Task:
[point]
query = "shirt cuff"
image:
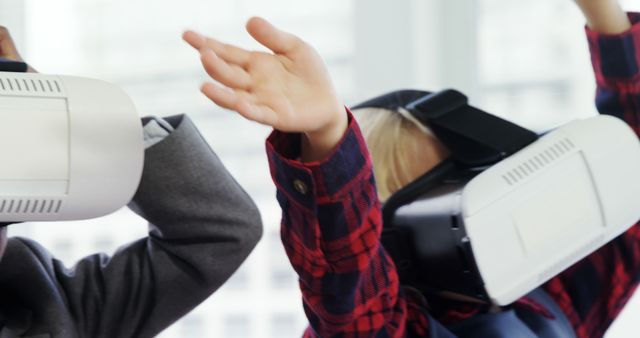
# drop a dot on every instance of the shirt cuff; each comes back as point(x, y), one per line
point(321, 181)
point(616, 57)
point(155, 130)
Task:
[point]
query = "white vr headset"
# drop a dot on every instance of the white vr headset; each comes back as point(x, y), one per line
point(509, 210)
point(72, 148)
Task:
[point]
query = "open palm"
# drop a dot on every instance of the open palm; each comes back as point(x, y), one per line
point(289, 90)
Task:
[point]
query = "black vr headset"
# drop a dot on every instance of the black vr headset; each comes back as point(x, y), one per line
point(438, 257)
point(508, 209)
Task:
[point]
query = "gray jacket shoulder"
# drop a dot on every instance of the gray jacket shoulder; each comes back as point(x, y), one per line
point(202, 225)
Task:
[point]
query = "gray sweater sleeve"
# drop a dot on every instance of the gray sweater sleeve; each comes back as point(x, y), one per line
point(202, 227)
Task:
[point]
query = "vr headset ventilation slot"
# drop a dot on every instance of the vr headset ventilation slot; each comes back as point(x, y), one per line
point(532, 165)
point(30, 206)
point(14, 85)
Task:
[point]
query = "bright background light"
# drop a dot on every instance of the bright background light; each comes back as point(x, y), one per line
point(523, 60)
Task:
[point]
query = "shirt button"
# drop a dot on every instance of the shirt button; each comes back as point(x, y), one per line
point(300, 187)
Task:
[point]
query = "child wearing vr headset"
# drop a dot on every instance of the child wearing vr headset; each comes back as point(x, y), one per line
point(332, 215)
point(202, 226)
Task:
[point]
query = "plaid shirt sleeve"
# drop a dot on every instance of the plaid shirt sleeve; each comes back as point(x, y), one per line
point(594, 290)
point(331, 225)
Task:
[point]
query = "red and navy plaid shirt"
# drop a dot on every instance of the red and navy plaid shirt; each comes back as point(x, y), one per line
point(331, 227)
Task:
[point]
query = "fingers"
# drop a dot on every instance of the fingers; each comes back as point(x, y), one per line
point(196, 40)
point(235, 101)
point(229, 75)
point(278, 41)
point(227, 52)
point(220, 96)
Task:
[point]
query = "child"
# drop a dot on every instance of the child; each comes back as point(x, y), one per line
point(331, 212)
point(202, 226)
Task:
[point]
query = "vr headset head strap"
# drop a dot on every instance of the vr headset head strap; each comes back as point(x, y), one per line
point(474, 137)
point(7, 65)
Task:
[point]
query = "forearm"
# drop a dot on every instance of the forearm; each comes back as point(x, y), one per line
point(616, 61)
point(317, 144)
point(188, 195)
point(616, 64)
point(346, 277)
point(331, 232)
point(202, 226)
point(604, 16)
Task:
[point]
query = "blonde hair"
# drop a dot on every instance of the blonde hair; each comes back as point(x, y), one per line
point(396, 142)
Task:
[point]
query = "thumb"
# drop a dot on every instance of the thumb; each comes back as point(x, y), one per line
point(268, 35)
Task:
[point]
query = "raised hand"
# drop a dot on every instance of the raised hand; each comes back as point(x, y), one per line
point(289, 89)
point(604, 16)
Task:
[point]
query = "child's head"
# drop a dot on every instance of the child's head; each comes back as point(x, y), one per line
point(402, 149)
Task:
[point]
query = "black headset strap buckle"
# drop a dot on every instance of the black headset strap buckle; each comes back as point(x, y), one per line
point(474, 138)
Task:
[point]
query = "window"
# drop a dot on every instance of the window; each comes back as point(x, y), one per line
point(284, 325)
point(536, 72)
point(239, 281)
point(282, 276)
point(237, 326)
point(192, 326)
